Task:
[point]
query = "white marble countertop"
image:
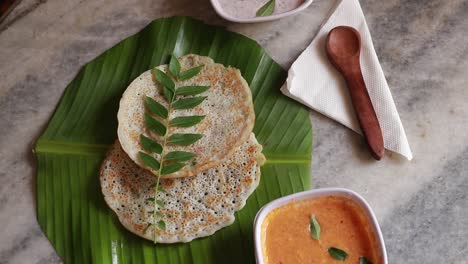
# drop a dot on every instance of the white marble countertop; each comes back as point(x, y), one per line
point(422, 205)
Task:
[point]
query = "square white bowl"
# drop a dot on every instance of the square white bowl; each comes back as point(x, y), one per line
point(219, 9)
point(265, 210)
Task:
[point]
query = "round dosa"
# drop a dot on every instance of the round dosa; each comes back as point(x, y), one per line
point(228, 109)
point(193, 206)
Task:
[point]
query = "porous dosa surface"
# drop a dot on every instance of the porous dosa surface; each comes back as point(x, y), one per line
point(193, 206)
point(228, 109)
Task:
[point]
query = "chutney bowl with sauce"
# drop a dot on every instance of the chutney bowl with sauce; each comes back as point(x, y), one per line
point(222, 11)
point(282, 231)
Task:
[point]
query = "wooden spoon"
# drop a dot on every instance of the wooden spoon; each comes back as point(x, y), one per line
point(343, 50)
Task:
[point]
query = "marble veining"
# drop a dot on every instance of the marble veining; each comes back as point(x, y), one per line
point(422, 205)
point(441, 228)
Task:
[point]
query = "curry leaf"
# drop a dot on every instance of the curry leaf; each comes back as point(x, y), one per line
point(155, 126)
point(168, 94)
point(158, 214)
point(179, 156)
point(171, 168)
point(150, 144)
point(185, 75)
point(187, 103)
point(191, 90)
point(267, 9)
point(314, 228)
point(150, 199)
point(162, 225)
point(164, 79)
point(184, 139)
point(160, 203)
point(146, 228)
point(155, 108)
point(337, 253)
point(161, 189)
point(364, 260)
point(186, 121)
point(174, 66)
point(149, 161)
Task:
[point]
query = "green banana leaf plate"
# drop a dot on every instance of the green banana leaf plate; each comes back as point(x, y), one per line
point(70, 207)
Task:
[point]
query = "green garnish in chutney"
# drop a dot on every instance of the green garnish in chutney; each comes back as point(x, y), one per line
point(337, 253)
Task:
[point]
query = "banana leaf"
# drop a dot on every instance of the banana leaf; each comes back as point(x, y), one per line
point(70, 207)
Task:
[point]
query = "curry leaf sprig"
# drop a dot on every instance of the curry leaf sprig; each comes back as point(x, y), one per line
point(158, 120)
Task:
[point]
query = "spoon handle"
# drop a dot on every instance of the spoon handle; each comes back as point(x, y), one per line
point(365, 113)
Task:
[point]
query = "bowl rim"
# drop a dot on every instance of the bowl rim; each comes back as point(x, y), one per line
point(347, 193)
point(218, 8)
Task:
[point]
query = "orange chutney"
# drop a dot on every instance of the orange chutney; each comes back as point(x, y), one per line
point(286, 233)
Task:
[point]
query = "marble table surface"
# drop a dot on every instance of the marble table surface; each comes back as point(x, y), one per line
point(422, 205)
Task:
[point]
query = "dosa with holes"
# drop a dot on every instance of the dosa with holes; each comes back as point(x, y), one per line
point(193, 207)
point(228, 110)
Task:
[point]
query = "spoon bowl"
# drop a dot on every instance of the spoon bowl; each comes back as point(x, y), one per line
point(344, 48)
point(344, 42)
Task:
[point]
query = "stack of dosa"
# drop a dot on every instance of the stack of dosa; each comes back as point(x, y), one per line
point(202, 197)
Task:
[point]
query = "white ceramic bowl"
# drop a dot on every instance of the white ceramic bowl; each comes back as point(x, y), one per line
point(219, 9)
point(265, 210)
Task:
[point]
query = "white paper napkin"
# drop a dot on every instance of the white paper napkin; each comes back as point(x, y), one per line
point(313, 81)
